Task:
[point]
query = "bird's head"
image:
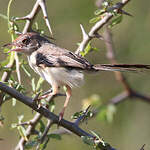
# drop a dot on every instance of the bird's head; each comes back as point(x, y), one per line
point(27, 43)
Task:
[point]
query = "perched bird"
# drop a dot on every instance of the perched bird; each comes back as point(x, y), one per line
point(58, 66)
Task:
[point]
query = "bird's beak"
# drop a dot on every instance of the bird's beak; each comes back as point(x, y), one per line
point(17, 49)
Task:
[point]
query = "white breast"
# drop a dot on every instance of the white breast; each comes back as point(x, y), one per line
point(57, 76)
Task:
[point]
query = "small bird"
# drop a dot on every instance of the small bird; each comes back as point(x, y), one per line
point(61, 67)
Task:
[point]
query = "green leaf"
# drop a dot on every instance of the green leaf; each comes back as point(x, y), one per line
point(95, 19)
point(14, 125)
point(43, 145)
point(116, 21)
point(111, 110)
point(6, 50)
point(102, 113)
point(6, 61)
point(39, 83)
point(54, 136)
point(20, 118)
point(22, 132)
point(76, 115)
point(25, 70)
point(33, 84)
point(88, 49)
point(99, 11)
point(13, 101)
point(42, 126)
point(88, 140)
point(31, 144)
point(93, 100)
point(52, 106)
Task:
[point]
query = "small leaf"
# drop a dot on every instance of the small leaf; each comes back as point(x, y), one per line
point(86, 50)
point(64, 88)
point(20, 118)
point(92, 100)
point(6, 61)
point(116, 21)
point(111, 110)
point(88, 140)
point(52, 106)
point(95, 19)
point(43, 145)
point(33, 84)
point(31, 144)
point(42, 126)
point(102, 113)
point(39, 83)
point(54, 136)
point(22, 132)
point(76, 115)
point(13, 101)
point(99, 11)
point(14, 125)
point(25, 70)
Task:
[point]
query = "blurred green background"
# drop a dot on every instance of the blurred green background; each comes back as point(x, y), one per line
point(131, 126)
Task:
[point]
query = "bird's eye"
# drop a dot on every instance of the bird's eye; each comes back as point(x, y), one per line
point(26, 41)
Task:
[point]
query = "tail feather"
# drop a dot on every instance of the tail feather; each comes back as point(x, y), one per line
point(121, 67)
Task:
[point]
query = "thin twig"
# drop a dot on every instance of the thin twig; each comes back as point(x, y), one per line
point(82, 116)
point(29, 130)
point(31, 16)
point(98, 26)
point(48, 126)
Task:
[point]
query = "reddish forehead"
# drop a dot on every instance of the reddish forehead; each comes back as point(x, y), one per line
point(23, 36)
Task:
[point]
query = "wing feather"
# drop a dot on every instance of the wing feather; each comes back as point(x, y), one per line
point(52, 56)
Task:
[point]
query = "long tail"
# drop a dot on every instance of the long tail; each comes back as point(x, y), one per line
point(121, 67)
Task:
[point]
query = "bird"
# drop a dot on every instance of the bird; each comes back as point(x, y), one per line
point(59, 66)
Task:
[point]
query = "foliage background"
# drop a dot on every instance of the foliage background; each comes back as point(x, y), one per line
point(130, 128)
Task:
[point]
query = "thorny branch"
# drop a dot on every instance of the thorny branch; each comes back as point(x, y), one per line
point(86, 38)
point(110, 54)
point(94, 30)
point(6, 75)
point(47, 114)
point(32, 15)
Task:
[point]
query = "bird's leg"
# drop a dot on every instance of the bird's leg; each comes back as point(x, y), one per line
point(68, 95)
point(52, 93)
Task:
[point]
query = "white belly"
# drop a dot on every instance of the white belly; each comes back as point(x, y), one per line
point(59, 76)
